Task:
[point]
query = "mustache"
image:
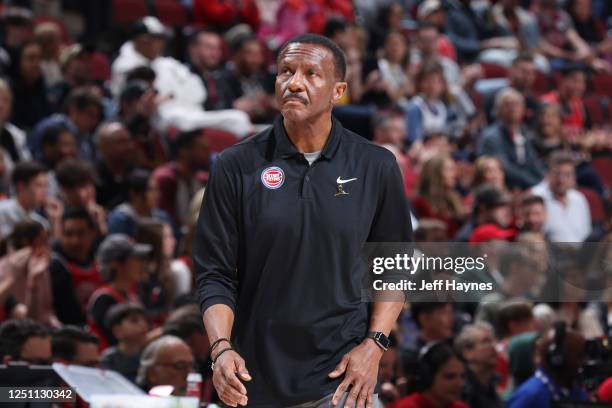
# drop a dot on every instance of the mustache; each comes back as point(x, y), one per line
point(295, 96)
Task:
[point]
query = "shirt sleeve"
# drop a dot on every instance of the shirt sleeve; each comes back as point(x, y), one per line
point(392, 221)
point(216, 241)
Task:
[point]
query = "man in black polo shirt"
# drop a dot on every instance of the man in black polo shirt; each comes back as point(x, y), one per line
point(278, 246)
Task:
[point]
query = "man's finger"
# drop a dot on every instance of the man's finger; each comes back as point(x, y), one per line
point(340, 368)
point(231, 394)
point(242, 371)
point(353, 395)
point(369, 402)
point(230, 378)
point(341, 390)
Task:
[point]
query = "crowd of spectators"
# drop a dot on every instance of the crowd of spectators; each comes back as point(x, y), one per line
point(498, 111)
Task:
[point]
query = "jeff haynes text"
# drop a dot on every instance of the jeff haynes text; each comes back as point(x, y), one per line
point(436, 285)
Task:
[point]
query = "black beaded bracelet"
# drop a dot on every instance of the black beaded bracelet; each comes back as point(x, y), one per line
point(212, 366)
point(216, 343)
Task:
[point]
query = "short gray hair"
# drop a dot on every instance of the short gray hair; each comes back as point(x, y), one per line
point(150, 355)
point(503, 95)
point(465, 338)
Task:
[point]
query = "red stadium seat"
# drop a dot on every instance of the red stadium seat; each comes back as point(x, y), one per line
point(596, 207)
point(219, 140)
point(602, 84)
point(171, 13)
point(593, 106)
point(542, 84)
point(128, 11)
point(100, 66)
point(603, 168)
point(494, 71)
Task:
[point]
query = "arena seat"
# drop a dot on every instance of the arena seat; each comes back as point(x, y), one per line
point(602, 84)
point(128, 11)
point(596, 206)
point(603, 168)
point(171, 13)
point(494, 71)
point(219, 140)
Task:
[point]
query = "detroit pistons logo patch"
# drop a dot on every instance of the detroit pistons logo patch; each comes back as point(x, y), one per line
point(273, 177)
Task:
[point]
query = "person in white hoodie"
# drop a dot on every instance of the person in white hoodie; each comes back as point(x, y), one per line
point(181, 93)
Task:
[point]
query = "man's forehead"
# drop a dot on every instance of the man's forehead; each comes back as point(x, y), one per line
point(305, 52)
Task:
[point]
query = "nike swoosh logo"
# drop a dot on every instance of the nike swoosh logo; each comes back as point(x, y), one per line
point(340, 181)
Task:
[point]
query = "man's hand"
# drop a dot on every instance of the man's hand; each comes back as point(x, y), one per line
point(229, 370)
point(360, 369)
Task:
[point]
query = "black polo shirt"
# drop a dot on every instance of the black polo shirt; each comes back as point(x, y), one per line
point(279, 242)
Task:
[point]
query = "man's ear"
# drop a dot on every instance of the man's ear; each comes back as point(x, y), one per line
point(339, 90)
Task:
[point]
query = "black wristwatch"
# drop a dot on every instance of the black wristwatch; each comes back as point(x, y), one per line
point(380, 339)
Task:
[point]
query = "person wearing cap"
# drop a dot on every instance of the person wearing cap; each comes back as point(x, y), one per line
point(75, 63)
point(121, 264)
point(491, 206)
point(48, 36)
point(182, 94)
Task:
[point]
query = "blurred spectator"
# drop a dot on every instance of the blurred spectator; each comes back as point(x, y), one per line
point(389, 126)
point(560, 41)
point(116, 149)
point(83, 113)
point(521, 357)
point(74, 275)
point(434, 12)
point(441, 379)
point(165, 361)
point(476, 345)
point(591, 29)
point(514, 317)
point(515, 23)
point(437, 197)
point(560, 354)
point(205, 56)
point(551, 134)
point(389, 19)
point(48, 37)
point(186, 324)
point(27, 265)
point(488, 170)
point(179, 180)
point(286, 19)
point(387, 79)
point(57, 143)
point(128, 324)
point(122, 266)
point(571, 89)
point(26, 341)
point(142, 204)
point(532, 214)
point(522, 77)
point(12, 139)
point(434, 109)
point(491, 206)
point(158, 286)
point(73, 345)
point(569, 217)
point(30, 100)
point(75, 63)
point(138, 103)
point(390, 376)
point(76, 181)
point(222, 14)
point(472, 32)
point(511, 142)
point(245, 84)
point(17, 30)
point(30, 182)
point(426, 49)
point(182, 93)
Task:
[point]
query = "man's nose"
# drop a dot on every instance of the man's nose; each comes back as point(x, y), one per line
point(296, 83)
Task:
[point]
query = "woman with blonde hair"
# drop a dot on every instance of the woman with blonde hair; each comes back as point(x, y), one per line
point(437, 197)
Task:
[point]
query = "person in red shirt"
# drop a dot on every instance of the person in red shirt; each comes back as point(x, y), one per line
point(223, 14)
point(572, 87)
point(441, 379)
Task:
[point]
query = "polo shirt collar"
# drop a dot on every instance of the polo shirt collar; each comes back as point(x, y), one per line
point(284, 147)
